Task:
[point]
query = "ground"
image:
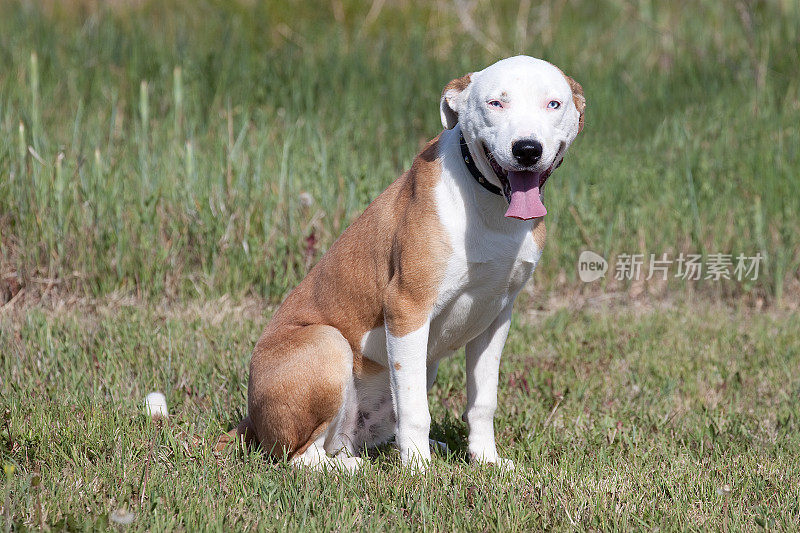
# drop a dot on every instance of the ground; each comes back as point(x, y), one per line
point(673, 416)
point(170, 170)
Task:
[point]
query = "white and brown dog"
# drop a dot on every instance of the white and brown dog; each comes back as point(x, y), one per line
point(433, 264)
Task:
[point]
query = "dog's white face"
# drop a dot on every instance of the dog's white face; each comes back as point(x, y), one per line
point(518, 116)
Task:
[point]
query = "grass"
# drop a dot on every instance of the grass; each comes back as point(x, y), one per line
point(673, 418)
point(163, 148)
point(169, 170)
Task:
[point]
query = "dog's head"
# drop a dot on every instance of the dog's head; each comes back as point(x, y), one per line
point(518, 116)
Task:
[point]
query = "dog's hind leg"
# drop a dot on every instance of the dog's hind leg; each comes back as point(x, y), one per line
point(301, 396)
point(332, 444)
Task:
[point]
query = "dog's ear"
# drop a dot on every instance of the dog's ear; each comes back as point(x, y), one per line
point(578, 99)
point(450, 103)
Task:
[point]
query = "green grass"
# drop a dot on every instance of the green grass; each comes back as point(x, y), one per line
point(156, 161)
point(161, 147)
point(684, 418)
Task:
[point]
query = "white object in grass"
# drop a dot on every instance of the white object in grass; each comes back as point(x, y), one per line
point(155, 405)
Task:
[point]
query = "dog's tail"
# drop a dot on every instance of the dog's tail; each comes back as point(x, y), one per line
point(243, 435)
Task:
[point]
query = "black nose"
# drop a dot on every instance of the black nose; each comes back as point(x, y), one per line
point(527, 151)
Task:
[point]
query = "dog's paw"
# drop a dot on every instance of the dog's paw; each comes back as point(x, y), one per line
point(494, 459)
point(504, 464)
point(415, 462)
point(417, 467)
point(321, 462)
point(346, 464)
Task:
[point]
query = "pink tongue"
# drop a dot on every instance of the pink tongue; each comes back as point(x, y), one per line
point(525, 202)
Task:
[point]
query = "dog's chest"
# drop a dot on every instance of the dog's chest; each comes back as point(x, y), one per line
point(479, 282)
point(487, 268)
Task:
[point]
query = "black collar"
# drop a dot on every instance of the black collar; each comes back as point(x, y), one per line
point(473, 169)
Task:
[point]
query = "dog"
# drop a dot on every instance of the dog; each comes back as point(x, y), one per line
point(433, 264)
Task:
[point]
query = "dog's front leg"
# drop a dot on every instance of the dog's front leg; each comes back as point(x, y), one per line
point(483, 366)
point(407, 356)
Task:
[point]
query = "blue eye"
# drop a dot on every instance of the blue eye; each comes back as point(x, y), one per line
point(553, 104)
point(495, 103)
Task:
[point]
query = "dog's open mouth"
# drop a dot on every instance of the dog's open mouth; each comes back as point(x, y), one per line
point(522, 189)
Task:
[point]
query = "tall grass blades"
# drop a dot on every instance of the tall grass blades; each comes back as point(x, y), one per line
point(197, 149)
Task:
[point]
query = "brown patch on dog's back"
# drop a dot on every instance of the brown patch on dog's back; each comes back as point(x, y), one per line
point(420, 249)
point(398, 240)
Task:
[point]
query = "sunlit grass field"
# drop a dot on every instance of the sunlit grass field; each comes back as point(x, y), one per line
point(683, 418)
point(164, 148)
point(168, 171)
